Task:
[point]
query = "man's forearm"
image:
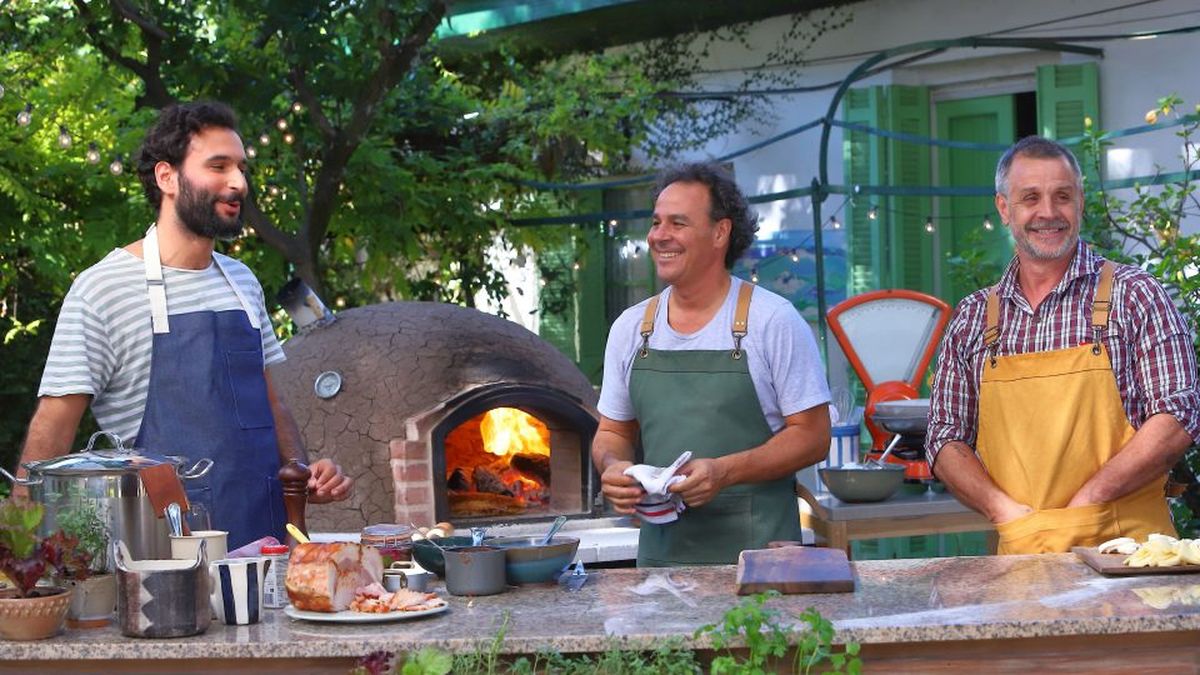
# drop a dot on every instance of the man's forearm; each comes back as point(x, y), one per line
point(785, 453)
point(609, 447)
point(287, 432)
point(1148, 456)
point(960, 469)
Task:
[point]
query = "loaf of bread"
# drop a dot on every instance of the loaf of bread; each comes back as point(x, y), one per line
point(324, 577)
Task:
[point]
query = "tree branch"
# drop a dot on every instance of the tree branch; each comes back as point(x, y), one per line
point(311, 103)
point(156, 94)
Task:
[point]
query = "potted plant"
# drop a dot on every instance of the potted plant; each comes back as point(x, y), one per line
point(29, 611)
point(94, 595)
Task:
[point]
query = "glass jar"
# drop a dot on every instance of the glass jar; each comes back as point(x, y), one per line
point(393, 541)
point(274, 589)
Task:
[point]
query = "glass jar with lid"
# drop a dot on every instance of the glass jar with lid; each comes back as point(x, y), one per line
point(393, 541)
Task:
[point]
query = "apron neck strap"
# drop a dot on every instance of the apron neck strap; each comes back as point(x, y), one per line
point(648, 326)
point(741, 317)
point(156, 287)
point(1102, 304)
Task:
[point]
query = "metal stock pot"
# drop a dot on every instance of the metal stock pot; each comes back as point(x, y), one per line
point(109, 480)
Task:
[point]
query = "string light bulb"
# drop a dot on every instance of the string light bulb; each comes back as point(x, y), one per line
point(264, 140)
point(754, 275)
point(251, 151)
point(26, 115)
point(575, 266)
point(289, 138)
point(273, 190)
point(873, 213)
point(93, 154)
point(795, 256)
point(281, 124)
point(64, 137)
point(296, 107)
point(834, 223)
point(116, 167)
point(987, 223)
point(929, 224)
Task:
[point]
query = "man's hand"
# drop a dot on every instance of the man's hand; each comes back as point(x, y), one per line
point(704, 479)
point(328, 483)
point(621, 491)
point(1009, 511)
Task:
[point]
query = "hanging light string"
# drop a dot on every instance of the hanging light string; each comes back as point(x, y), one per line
point(985, 220)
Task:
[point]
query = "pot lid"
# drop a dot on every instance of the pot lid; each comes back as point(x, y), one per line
point(113, 460)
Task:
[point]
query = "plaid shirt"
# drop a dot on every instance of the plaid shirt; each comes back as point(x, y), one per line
point(1147, 339)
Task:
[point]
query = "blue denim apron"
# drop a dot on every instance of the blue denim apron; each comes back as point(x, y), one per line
point(208, 398)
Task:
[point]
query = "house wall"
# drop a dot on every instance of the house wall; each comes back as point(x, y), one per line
point(1133, 74)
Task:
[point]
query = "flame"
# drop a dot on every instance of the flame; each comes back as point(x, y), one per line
point(508, 431)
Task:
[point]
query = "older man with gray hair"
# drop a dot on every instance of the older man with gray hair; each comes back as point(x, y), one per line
point(1063, 394)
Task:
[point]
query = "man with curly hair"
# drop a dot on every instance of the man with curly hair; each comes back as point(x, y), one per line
point(169, 341)
point(715, 366)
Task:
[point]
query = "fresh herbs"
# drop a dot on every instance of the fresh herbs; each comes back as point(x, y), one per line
point(25, 557)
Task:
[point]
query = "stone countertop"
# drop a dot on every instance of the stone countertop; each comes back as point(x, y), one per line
point(896, 601)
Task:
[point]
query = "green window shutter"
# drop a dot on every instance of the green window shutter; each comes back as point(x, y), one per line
point(1065, 96)
point(863, 165)
point(911, 256)
point(590, 311)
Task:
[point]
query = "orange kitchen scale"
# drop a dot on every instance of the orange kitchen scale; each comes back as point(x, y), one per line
point(889, 337)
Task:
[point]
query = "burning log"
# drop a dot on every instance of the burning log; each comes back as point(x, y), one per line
point(487, 480)
point(458, 481)
point(536, 467)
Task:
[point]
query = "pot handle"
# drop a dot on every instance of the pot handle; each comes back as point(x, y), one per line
point(198, 470)
point(21, 481)
point(116, 441)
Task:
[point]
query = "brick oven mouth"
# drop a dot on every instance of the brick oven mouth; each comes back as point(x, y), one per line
point(513, 453)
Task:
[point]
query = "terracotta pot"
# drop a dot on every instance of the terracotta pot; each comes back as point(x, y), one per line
point(92, 601)
point(33, 618)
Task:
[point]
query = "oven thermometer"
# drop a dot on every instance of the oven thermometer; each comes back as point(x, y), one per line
point(327, 384)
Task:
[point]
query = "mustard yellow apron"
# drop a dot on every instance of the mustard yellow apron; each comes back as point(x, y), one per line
point(1047, 422)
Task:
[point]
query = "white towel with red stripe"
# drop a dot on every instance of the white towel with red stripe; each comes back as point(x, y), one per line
point(659, 506)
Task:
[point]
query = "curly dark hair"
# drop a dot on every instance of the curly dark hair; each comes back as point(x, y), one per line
point(726, 199)
point(168, 140)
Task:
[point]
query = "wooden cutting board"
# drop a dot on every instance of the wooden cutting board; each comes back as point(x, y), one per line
point(794, 569)
point(1113, 564)
point(162, 486)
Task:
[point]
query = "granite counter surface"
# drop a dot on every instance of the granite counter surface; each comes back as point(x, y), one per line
point(896, 601)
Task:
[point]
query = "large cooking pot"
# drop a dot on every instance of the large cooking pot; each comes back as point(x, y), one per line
point(109, 480)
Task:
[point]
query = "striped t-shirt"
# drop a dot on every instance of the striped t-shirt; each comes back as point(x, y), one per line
point(103, 340)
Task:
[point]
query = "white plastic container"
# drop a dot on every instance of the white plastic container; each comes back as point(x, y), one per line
point(274, 590)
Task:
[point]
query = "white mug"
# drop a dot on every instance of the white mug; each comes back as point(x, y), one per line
point(237, 589)
point(184, 546)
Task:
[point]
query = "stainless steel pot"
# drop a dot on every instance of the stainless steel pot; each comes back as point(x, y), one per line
point(109, 480)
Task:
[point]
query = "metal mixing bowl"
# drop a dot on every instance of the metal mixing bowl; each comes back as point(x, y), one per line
point(861, 484)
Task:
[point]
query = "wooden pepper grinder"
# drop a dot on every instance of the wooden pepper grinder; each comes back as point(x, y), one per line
point(294, 476)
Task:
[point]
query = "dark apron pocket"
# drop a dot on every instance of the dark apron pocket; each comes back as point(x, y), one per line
point(1057, 530)
point(250, 402)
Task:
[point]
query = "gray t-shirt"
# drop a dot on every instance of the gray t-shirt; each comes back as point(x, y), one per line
point(785, 365)
point(103, 340)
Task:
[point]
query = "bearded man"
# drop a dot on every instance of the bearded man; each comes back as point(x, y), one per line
point(169, 341)
point(1063, 394)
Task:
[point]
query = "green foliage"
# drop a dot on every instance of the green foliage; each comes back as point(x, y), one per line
point(750, 626)
point(971, 266)
point(82, 520)
point(761, 631)
point(25, 556)
point(1146, 231)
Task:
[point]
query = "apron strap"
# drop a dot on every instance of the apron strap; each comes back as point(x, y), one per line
point(991, 333)
point(1102, 304)
point(648, 326)
point(245, 302)
point(741, 318)
point(155, 287)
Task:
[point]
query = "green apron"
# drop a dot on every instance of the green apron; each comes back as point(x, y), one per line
point(704, 401)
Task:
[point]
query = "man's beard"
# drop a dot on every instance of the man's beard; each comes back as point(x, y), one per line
point(197, 210)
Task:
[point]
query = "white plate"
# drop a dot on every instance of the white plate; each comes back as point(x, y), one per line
point(348, 616)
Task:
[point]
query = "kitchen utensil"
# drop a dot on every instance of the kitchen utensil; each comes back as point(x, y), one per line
point(175, 519)
point(477, 535)
point(528, 561)
point(109, 479)
point(164, 488)
point(161, 598)
point(558, 523)
point(1113, 564)
point(794, 569)
point(296, 533)
point(882, 460)
point(237, 589)
point(857, 483)
point(406, 574)
point(431, 556)
point(574, 577)
point(475, 570)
